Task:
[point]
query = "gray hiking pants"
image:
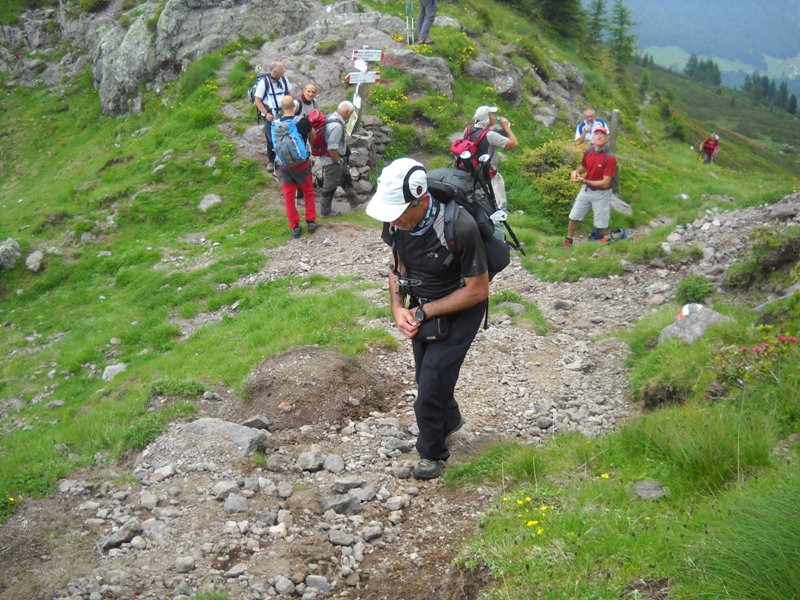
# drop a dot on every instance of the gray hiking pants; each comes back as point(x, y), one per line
point(333, 176)
point(427, 13)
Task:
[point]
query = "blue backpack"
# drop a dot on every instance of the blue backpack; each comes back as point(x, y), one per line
point(290, 149)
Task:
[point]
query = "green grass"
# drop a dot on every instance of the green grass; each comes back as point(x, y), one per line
point(567, 522)
point(753, 547)
point(118, 298)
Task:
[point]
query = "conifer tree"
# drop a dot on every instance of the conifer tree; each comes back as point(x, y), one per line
point(782, 97)
point(792, 108)
point(598, 19)
point(621, 40)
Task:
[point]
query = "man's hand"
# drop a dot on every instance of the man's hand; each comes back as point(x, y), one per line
point(406, 321)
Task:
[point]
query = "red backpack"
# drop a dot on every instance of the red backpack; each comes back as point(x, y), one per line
point(319, 147)
point(470, 143)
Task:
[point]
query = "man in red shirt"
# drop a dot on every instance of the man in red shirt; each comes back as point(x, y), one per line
point(597, 169)
point(709, 148)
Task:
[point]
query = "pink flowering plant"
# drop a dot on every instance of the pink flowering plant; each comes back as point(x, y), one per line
point(739, 365)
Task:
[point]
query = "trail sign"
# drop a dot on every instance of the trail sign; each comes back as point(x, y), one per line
point(368, 77)
point(361, 65)
point(367, 54)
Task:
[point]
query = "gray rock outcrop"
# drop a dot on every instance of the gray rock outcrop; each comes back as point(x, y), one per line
point(9, 253)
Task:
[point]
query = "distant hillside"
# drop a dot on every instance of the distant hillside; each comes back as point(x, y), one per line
point(741, 35)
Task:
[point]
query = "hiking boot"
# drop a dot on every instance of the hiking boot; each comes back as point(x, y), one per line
point(270, 167)
point(296, 231)
point(567, 242)
point(450, 433)
point(311, 226)
point(333, 213)
point(428, 469)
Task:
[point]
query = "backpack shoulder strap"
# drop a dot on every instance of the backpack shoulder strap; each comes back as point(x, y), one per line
point(450, 216)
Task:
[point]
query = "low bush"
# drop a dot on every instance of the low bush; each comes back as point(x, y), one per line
point(693, 288)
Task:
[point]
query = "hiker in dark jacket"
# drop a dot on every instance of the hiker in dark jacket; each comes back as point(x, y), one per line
point(441, 291)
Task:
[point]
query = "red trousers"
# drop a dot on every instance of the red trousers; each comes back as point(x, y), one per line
point(289, 193)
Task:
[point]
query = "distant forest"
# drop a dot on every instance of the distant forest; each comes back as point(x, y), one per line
point(730, 29)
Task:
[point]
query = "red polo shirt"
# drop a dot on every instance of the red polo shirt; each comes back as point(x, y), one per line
point(599, 164)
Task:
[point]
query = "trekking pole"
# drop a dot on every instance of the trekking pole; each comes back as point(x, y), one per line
point(480, 178)
point(408, 22)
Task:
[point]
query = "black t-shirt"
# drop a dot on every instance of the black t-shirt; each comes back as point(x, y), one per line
point(440, 271)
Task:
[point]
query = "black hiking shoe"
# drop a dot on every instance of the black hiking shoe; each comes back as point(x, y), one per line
point(311, 226)
point(296, 231)
point(428, 469)
point(450, 433)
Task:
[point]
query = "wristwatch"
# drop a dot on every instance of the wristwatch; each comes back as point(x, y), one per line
point(420, 314)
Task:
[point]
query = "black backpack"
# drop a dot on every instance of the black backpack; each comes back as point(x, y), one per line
point(455, 188)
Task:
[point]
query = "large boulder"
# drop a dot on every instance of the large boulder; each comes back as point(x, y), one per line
point(506, 79)
point(692, 323)
point(9, 253)
point(185, 30)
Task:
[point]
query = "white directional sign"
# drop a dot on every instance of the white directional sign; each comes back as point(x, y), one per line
point(361, 65)
point(368, 77)
point(367, 54)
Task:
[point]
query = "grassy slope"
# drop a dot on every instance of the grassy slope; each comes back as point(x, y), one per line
point(64, 167)
point(66, 170)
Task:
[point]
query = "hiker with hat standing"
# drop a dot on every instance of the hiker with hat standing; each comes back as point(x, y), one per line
point(485, 117)
point(269, 93)
point(709, 147)
point(447, 296)
point(585, 129)
point(598, 167)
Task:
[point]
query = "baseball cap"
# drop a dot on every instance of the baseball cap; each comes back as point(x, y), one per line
point(401, 181)
point(600, 129)
point(482, 113)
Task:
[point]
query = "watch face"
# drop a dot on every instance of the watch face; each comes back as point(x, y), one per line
point(420, 314)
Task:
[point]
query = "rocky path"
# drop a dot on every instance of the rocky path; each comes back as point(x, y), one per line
point(329, 510)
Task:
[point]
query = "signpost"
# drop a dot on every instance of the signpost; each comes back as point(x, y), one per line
point(367, 54)
point(362, 76)
point(358, 77)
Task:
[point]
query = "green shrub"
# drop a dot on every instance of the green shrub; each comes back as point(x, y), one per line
point(693, 288)
point(92, 5)
point(770, 251)
point(739, 275)
point(452, 45)
point(330, 46)
point(548, 157)
point(558, 192)
point(199, 72)
point(177, 389)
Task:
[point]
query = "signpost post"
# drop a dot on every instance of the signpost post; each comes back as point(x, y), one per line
point(362, 78)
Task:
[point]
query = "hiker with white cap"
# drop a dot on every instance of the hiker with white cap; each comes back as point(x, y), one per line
point(485, 118)
point(446, 290)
